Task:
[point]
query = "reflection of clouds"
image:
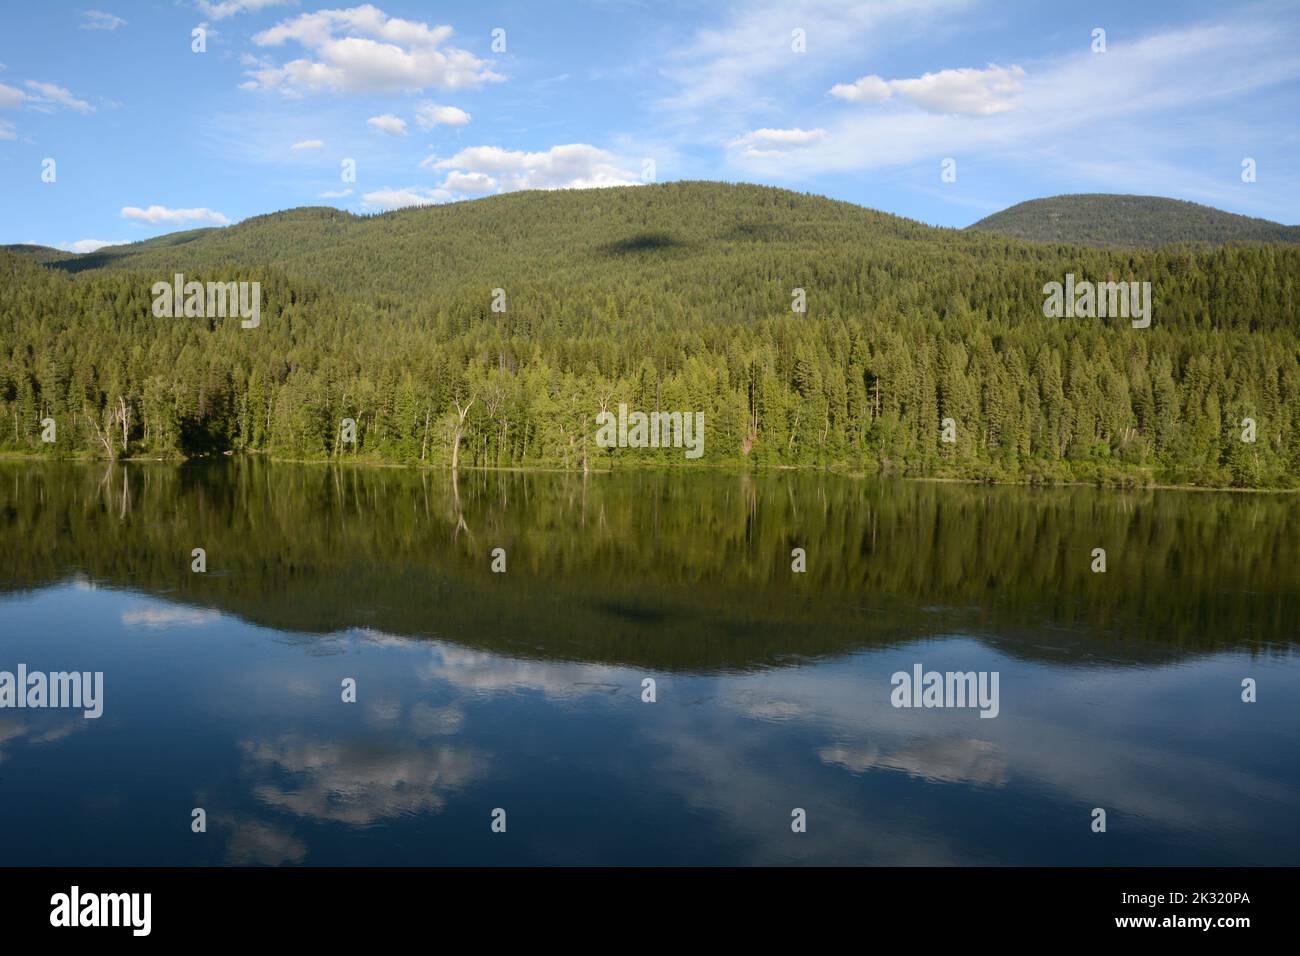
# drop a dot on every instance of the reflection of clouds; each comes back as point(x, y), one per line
point(260, 844)
point(358, 783)
point(303, 688)
point(383, 638)
point(14, 729)
point(383, 711)
point(939, 760)
point(1123, 738)
point(483, 673)
point(764, 707)
point(11, 729)
point(168, 616)
point(1166, 788)
point(426, 721)
point(58, 733)
point(726, 769)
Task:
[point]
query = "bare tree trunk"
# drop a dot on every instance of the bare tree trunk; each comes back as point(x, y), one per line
point(105, 436)
point(461, 413)
point(124, 414)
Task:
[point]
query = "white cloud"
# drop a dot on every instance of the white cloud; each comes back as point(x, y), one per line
point(967, 91)
point(334, 193)
point(48, 95)
point(775, 142)
point(465, 183)
point(363, 50)
point(228, 8)
point(7, 130)
point(388, 123)
point(10, 97)
point(735, 61)
point(869, 89)
point(571, 166)
point(98, 20)
point(89, 245)
point(309, 144)
point(389, 198)
point(429, 115)
point(161, 215)
point(1133, 88)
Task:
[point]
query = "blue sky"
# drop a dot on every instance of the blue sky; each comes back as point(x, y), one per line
point(148, 136)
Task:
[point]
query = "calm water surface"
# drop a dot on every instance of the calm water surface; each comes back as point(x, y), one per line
point(523, 690)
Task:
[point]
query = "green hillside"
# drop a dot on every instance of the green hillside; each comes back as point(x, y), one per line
point(41, 254)
point(575, 234)
point(1104, 219)
point(671, 297)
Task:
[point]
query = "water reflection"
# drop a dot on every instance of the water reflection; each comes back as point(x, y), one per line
point(524, 690)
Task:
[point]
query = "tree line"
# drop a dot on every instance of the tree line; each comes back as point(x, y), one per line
point(663, 298)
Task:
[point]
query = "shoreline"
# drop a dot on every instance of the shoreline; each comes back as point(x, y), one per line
point(841, 471)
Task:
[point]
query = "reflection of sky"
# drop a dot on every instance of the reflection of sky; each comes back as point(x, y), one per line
point(202, 709)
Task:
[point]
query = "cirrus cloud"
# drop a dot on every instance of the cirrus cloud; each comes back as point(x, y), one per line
point(49, 95)
point(228, 8)
point(99, 20)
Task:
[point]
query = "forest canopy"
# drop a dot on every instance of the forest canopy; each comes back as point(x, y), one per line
point(678, 297)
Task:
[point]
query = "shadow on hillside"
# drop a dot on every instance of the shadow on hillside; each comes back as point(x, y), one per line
point(110, 254)
point(642, 242)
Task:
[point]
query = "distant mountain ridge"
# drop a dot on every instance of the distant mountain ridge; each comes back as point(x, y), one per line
point(1109, 219)
point(566, 227)
point(421, 251)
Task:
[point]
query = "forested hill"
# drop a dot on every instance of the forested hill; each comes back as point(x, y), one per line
point(676, 297)
point(1104, 219)
point(604, 235)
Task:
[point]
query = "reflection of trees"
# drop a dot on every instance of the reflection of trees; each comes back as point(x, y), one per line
point(673, 570)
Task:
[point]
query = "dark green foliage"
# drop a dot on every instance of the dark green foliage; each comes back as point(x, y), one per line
point(1105, 219)
point(673, 297)
point(704, 555)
